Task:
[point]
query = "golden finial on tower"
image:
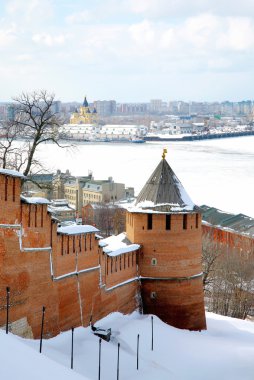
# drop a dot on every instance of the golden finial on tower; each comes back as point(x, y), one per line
point(165, 151)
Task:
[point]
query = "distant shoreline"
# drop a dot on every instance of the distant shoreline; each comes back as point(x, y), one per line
point(156, 138)
point(200, 137)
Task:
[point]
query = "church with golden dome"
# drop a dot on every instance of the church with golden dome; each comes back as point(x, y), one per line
point(84, 115)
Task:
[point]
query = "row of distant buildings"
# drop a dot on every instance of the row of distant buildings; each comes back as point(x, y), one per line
point(7, 110)
point(173, 125)
point(69, 194)
point(85, 125)
point(82, 200)
point(158, 106)
point(211, 108)
point(105, 108)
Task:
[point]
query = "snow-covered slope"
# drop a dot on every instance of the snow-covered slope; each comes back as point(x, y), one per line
point(19, 361)
point(224, 352)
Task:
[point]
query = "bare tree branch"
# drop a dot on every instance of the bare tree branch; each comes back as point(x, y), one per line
point(38, 121)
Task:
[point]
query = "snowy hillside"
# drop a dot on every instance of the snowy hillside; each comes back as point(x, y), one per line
point(225, 351)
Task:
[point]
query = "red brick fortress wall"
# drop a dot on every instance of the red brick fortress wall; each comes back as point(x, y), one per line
point(64, 273)
point(170, 266)
point(228, 238)
point(77, 281)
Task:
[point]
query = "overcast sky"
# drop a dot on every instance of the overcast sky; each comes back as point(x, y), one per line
point(128, 50)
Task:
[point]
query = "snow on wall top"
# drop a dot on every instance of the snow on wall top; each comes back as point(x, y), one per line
point(76, 229)
point(114, 241)
point(150, 207)
point(117, 245)
point(34, 200)
point(60, 208)
point(120, 251)
point(12, 173)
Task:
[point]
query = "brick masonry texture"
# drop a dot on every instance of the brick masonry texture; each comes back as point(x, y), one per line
point(175, 254)
point(85, 283)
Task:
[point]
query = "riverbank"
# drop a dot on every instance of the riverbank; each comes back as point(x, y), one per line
point(200, 137)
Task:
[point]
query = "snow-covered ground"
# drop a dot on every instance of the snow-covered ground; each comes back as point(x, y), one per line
point(224, 352)
point(214, 172)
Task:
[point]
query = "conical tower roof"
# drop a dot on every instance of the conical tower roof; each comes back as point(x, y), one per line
point(164, 192)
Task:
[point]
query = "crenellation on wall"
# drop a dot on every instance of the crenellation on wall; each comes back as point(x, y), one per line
point(168, 226)
point(78, 281)
point(159, 223)
point(121, 268)
point(10, 199)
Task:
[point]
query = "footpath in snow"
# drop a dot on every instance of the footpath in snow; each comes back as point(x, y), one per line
point(224, 352)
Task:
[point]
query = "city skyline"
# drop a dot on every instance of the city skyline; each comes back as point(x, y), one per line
point(132, 51)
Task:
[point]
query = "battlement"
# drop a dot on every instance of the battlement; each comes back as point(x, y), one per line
point(79, 277)
point(62, 268)
point(10, 186)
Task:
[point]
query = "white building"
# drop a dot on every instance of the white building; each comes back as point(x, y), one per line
point(108, 131)
point(111, 130)
point(78, 131)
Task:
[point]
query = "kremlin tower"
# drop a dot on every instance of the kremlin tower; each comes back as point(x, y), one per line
point(166, 223)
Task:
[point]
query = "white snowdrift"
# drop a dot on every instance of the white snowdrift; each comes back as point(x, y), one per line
point(225, 351)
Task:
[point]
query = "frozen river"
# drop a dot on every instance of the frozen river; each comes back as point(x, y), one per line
point(218, 173)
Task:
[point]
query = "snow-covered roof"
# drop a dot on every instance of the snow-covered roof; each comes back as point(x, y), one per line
point(237, 223)
point(60, 205)
point(151, 207)
point(70, 184)
point(126, 126)
point(98, 236)
point(34, 200)
point(77, 125)
point(59, 202)
point(94, 187)
point(12, 173)
point(77, 229)
point(120, 251)
point(117, 245)
point(163, 192)
point(60, 208)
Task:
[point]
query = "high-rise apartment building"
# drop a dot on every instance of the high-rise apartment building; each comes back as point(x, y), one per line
point(105, 107)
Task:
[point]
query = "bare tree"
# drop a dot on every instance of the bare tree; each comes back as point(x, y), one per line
point(109, 218)
point(104, 218)
point(35, 117)
point(9, 152)
point(228, 276)
point(211, 251)
point(35, 122)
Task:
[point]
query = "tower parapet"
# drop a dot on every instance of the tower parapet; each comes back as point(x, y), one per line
point(167, 224)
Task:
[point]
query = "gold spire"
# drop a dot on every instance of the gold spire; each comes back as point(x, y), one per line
point(165, 151)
